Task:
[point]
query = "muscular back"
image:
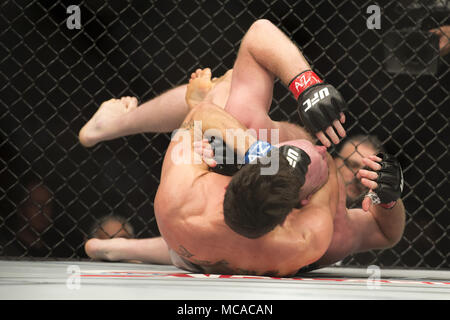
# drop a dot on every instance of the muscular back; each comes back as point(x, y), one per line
point(189, 211)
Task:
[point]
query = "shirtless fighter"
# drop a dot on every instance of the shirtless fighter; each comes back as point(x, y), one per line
point(189, 202)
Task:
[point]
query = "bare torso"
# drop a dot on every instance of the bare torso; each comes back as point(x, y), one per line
point(341, 242)
point(190, 219)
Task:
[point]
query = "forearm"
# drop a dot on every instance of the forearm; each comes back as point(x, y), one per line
point(289, 131)
point(391, 222)
point(213, 120)
point(273, 50)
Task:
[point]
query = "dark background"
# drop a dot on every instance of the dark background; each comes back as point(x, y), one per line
point(53, 79)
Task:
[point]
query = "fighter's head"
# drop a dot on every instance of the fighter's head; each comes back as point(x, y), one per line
point(255, 204)
point(350, 160)
point(317, 174)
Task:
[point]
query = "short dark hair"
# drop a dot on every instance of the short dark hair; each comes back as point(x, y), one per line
point(126, 226)
point(255, 204)
point(358, 139)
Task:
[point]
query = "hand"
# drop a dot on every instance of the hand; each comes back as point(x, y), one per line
point(204, 149)
point(320, 111)
point(330, 132)
point(385, 181)
point(444, 39)
point(218, 156)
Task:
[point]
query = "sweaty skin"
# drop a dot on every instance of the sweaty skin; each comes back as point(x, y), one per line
point(189, 211)
point(187, 202)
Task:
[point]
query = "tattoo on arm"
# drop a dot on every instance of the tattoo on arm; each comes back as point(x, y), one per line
point(220, 267)
point(187, 125)
point(183, 252)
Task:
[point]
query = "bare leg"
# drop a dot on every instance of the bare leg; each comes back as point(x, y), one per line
point(202, 89)
point(121, 117)
point(152, 250)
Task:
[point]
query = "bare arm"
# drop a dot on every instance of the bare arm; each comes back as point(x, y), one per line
point(265, 53)
point(377, 229)
point(209, 118)
point(372, 227)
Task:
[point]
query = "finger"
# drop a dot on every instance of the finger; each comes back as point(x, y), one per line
point(208, 153)
point(133, 103)
point(436, 31)
point(330, 132)
point(210, 162)
point(342, 118)
point(339, 128)
point(375, 158)
point(371, 164)
point(369, 183)
point(366, 204)
point(206, 146)
point(198, 151)
point(362, 173)
point(323, 139)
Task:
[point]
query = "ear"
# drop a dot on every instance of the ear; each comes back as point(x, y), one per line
point(304, 202)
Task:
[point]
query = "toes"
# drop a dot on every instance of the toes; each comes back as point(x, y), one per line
point(133, 103)
point(206, 73)
point(130, 103)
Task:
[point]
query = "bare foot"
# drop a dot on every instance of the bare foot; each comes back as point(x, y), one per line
point(199, 86)
point(115, 249)
point(97, 250)
point(102, 126)
point(221, 90)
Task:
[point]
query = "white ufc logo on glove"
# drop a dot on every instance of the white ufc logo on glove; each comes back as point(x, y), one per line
point(316, 98)
point(292, 157)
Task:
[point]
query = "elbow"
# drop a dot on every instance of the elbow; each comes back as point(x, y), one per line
point(394, 240)
point(260, 29)
point(261, 25)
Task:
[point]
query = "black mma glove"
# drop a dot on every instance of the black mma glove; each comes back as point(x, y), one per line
point(390, 182)
point(228, 162)
point(225, 157)
point(319, 104)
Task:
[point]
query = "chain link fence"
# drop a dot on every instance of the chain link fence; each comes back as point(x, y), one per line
point(55, 194)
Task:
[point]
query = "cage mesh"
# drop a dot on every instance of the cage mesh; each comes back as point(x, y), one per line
point(55, 193)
